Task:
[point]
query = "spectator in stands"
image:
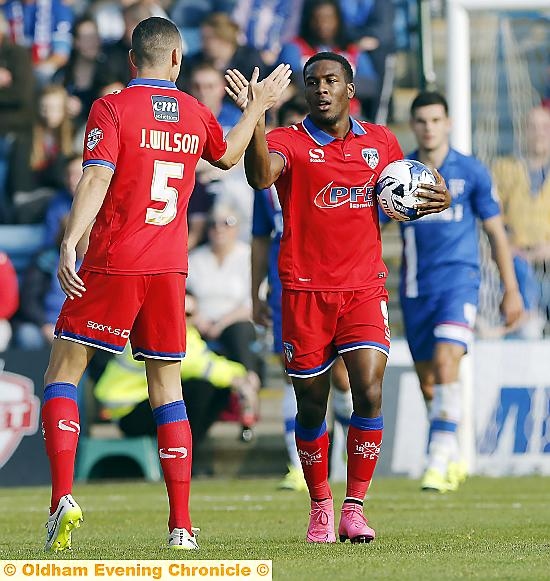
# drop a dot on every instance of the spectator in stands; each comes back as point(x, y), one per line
point(207, 380)
point(523, 184)
point(16, 114)
point(220, 279)
point(117, 64)
point(268, 24)
point(45, 28)
point(79, 75)
point(230, 187)
point(60, 204)
point(9, 299)
point(188, 15)
point(322, 29)
point(370, 25)
point(220, 46)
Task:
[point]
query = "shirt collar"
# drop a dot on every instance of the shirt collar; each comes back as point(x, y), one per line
point(158, 83)
point(322, 138)
point(449, 158)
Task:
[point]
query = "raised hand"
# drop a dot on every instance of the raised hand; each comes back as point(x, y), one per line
point(264, 93)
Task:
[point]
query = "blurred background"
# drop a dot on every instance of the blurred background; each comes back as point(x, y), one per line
point(492, 60)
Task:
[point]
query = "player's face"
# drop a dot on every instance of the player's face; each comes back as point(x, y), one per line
point(324, 21)
point(431, 127)
point(327, 92)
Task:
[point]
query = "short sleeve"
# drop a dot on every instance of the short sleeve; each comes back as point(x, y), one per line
point(215, 146)
point(484, 197)
point(278, 141)
point(101, 143)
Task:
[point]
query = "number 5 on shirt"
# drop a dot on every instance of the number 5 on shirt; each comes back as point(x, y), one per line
point(162, 192)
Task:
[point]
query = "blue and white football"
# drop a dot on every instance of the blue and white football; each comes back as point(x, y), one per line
point(396, 187)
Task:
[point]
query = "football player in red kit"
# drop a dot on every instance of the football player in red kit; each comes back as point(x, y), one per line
point(334, 297)
point(141, 148)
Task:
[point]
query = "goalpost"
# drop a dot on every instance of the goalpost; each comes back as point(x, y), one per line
point(491, 42)
point(459, 63)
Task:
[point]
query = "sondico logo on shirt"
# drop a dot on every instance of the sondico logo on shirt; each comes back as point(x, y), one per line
point(316, 155)
point(173, 452)
point(124, 333)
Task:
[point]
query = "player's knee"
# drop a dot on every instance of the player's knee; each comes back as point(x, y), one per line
point(445, 368)
point(367, 398)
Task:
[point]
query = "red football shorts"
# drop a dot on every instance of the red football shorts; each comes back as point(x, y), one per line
point(320, 325)
point(147, 309)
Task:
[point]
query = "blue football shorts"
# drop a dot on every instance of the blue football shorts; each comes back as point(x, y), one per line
point(448, 316)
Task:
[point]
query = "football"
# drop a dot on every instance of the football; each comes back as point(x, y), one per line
point(396, 187)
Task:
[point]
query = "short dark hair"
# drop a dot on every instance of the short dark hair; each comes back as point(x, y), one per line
point(331, 56)
point(152, 39)
point(426, 98)
point(294, 105)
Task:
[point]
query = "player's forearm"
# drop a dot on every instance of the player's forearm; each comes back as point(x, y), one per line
point(239, 137)
point(87, 202)
point(257, 163)
point(259, 259)
point(501, 253)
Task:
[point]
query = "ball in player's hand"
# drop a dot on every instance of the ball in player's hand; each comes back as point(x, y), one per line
point(396, 188)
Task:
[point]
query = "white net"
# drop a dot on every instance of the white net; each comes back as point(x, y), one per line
point(510, 76)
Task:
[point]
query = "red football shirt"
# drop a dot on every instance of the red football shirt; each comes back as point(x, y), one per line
point(152, 136)
point(331, 236)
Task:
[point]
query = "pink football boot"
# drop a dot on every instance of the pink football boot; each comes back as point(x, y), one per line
point(321, 522)
point(353, 525)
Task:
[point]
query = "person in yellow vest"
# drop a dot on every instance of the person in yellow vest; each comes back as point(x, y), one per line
point(208, 380)
point(523, 185)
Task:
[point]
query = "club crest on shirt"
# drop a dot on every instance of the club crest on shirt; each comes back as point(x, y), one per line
point(165, 108)
point(370, 155)
point(289, 351)
point(95, 135)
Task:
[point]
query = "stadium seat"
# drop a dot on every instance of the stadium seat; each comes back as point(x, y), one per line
point(21, 242)
point(143, 450)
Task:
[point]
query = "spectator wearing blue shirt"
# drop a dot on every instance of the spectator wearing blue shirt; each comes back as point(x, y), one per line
point(45, 28)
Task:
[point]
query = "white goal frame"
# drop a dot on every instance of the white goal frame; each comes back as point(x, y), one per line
point(458, 60)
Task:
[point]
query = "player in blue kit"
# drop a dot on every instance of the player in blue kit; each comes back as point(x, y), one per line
point(440, 278)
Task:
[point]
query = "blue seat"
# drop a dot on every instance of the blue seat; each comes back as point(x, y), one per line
point(21, 242)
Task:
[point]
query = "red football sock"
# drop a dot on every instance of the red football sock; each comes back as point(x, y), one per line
point(363, 449)
point(60, 427)
point(314, 458)
point(174, 442)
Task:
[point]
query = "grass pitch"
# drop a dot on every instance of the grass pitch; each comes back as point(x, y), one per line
point(489, 529)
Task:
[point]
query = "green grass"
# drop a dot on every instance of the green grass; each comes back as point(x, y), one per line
point(489, 529)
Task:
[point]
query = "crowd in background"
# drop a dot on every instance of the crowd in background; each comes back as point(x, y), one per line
point(57, 56)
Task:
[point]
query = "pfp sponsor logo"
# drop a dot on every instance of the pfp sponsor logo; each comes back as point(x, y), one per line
point(124, 333)
point(310, 458)
point(165, 108)
point(18, 412)
point(332, 196)
point(173, 452)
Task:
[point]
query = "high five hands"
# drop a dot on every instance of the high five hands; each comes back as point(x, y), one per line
point(266, 92)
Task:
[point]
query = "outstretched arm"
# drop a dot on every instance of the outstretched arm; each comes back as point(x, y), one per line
point(512, 303)
point(260, 97)
point(262, 168)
